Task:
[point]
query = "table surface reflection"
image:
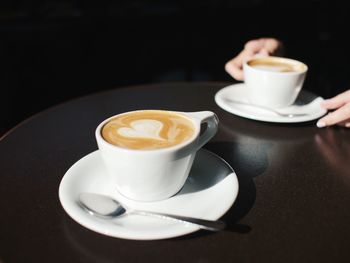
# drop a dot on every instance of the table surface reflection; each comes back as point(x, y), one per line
point(292, 206)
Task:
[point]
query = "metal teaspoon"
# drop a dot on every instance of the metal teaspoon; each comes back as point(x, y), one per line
point(282, 114)
point(106, 207)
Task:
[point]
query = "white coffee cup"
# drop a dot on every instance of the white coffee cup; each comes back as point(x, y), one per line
point(155, 174)
point(273, 82)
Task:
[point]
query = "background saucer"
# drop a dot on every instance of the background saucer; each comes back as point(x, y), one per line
point(209, 192)
point(239, 92)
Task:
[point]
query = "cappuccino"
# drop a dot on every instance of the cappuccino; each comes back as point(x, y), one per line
point(276, 64)
point(148, 129)
point(273, 82)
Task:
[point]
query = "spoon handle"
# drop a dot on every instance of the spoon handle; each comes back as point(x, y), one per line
point(202, 223)
point(282, 114)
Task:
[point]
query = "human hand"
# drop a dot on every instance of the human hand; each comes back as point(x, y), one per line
point(341, 115)
point(256, 47)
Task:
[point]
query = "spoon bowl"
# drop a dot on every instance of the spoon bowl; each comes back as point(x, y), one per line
point(106, 207)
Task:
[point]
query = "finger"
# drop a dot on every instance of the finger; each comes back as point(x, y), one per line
point(264, 52)
point(340, 115)
point(345, 124)
point(254, 46)
point(234, 69)
point(337, 101)
point(272, 45)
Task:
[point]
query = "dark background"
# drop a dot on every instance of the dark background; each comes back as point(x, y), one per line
point(53, 51)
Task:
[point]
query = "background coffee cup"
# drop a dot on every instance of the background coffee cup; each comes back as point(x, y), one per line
point(274, 82)
point(157, 174)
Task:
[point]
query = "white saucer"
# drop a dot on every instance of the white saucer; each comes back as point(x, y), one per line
point(306, 102)
point(209, 192)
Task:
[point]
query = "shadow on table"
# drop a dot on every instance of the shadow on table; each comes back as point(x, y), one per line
point(247, 164)
point(248, 146)
point(248, 161)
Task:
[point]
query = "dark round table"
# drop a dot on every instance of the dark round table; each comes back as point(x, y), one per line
point(294, 179)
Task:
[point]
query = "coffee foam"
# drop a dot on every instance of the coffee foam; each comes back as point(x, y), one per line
point(276, 65)
point(275, 68)
point(142, 129)
point(147, 130)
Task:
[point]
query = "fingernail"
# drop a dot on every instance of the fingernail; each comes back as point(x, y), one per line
point(324, 103)
point(347, 125)
point(320, 124)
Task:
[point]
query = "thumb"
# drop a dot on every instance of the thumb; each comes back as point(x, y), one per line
point(263, 52)
point(337, 101)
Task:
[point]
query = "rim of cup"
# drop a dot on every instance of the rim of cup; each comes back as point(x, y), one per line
point(181, 145)
point(304, 67)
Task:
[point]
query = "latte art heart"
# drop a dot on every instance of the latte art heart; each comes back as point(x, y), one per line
point(147, 130)
point(142, 129)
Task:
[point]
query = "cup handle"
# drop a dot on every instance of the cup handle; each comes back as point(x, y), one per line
point(212, 122)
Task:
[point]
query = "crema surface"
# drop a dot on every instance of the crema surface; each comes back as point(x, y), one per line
point(276, 65)
point(147, 130)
